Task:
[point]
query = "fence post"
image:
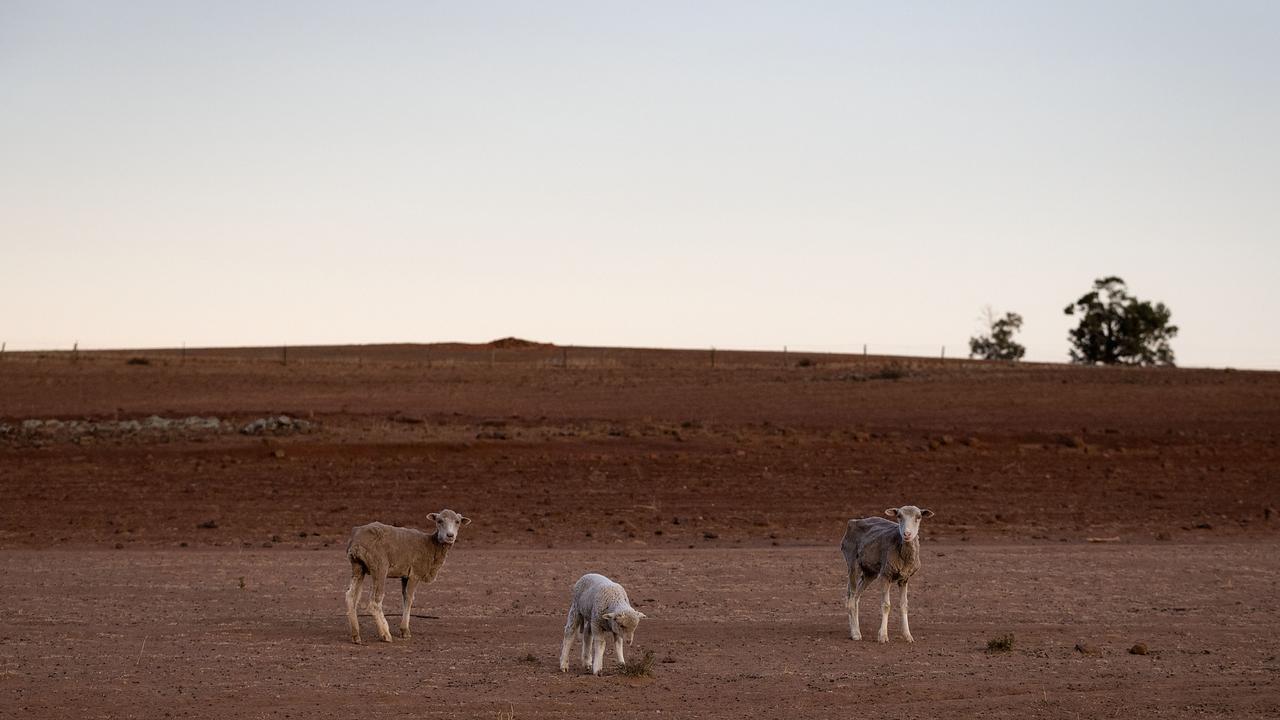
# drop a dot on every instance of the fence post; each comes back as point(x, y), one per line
point(864, 351)
point(2, 346)
point(75, 352)
point(784, 356)
point(944, 352)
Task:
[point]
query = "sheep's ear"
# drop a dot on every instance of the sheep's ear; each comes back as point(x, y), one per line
point(641, 615)
point(433, 516)
point(608, 616)
point(466, 521)
point(891, 512)
point(926, 513)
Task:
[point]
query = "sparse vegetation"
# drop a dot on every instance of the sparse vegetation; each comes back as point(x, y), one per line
point(1000, 643)
point(892, 371)
point(642, 667)
point(137, 361)
point(805, 362)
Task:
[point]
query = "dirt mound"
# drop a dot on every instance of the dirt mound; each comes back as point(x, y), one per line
point(510, 343)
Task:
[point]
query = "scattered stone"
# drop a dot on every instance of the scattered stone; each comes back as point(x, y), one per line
point(1138, 649)
point(279, 425)
point(208, 525)
point(1085, 648)
point(710, 535)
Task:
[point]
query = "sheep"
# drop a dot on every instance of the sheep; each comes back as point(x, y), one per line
point(875, 548)
point(385, 551)
point(598, 608)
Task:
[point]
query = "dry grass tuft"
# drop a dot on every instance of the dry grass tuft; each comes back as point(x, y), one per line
point(1002, 643)
point(638, 668)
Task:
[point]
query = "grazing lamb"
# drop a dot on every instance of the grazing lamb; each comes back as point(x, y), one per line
point(386, 551)
point(877, 548)
point(599, 608)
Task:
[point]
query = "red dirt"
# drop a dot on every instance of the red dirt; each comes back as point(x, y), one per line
point(717, 494)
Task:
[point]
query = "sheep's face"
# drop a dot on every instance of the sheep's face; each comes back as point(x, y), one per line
point(448, 524)
point(908, 517)
point(624, 624)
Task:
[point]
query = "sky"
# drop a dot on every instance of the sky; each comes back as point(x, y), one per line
point(665, 174)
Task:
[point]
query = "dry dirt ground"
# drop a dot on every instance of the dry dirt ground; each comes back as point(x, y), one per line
point(194, 571)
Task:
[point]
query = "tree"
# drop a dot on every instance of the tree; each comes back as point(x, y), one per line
point(999, 344)
point(1119, 329)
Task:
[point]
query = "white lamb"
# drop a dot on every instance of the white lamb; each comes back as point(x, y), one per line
point(599, 608)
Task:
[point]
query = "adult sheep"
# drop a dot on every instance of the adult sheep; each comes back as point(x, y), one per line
point(386, 551)
point(876, 548)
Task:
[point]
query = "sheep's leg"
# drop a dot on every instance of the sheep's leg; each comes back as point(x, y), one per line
point(379, 591)
point(853, 595)
point(617, 650)
point(597, 652)
point(586, 644)
point(884, 613)
point(572, 627)
point(353, 597)
point(906, 627)
point(408, 586)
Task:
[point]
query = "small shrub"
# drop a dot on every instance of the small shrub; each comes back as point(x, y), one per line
point(137, 361)
point(890, 372)
point(1002, 643)
point(805, 362)
point(638, 668)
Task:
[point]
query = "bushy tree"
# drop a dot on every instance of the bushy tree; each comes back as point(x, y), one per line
point(998, 344)
point(1119, 329)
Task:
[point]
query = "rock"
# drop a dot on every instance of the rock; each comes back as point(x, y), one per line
point(1138, 649)
point(1085, 648)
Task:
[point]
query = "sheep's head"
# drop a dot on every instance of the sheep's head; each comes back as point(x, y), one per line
point(908, 517)
point(448, 524)
point(624, 623)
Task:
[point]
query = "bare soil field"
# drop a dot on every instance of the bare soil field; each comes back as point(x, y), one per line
point(157, 566)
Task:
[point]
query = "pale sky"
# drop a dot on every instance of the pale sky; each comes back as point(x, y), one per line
point(736, 174)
